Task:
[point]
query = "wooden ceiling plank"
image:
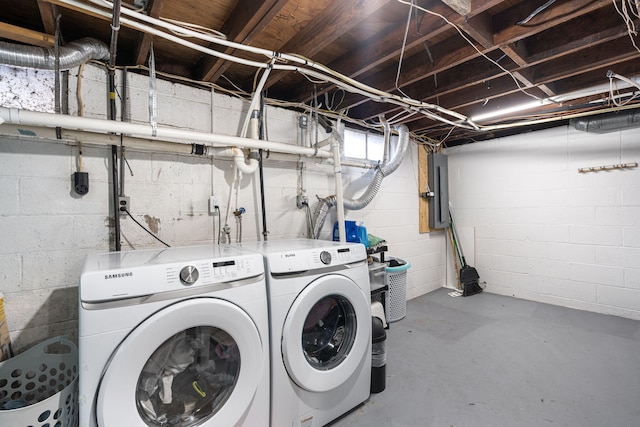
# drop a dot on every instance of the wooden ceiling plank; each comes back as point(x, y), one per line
point(386, 47)
point(584, 61)
point(245, 22)
point(24, 35)
point(517, 53)
point(334, 21)
point(588, 41)
point(145, 39)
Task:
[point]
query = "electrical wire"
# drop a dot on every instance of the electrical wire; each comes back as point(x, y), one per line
point(513, 77)
point(536, 12)
point(146, 229)
point(628, 14)
point(404, 45)
point(305, 66)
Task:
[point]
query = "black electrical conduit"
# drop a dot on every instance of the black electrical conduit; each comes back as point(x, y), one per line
point(263, 206)
point(115, 27)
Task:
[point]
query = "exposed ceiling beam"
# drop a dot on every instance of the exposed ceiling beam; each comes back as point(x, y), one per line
point(463, 7)
point(555, 15)
point(387, 46)
point(445, 57)
point(334, 21)
point(145, 39)
point(48, 16)
point(24, 35)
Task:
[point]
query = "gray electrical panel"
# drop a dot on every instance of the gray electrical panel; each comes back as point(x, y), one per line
point(439, 185)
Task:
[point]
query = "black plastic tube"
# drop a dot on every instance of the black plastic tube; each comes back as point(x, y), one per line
point(263, 206)
point(116, 212)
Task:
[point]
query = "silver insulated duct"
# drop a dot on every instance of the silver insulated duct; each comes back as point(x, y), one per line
point(374, 185)
point(386, 169)
point(71, 55)
point(607, 122)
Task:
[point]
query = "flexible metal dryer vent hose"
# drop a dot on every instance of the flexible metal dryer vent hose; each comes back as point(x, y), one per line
point(71, 55)
point(369, 194)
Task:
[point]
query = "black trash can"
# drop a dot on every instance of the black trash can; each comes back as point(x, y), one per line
point(378, 356)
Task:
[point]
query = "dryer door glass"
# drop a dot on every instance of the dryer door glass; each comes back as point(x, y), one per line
point(328, 332)
point(188, 378)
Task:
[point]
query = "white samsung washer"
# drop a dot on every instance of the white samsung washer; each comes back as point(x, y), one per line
point(320, 319)
point(174, 337)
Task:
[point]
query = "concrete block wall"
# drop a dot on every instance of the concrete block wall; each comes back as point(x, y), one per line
point(545, 232)
point(47, 229)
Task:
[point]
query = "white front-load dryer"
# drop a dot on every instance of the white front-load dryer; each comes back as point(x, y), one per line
point(174, 337)
point(320, 319)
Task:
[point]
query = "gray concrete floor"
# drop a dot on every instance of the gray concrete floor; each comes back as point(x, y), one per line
point(490, 360)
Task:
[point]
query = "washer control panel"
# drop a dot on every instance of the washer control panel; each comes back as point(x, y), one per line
point(315, 258)
point(111, 279)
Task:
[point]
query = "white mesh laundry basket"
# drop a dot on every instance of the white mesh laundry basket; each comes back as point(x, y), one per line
point(396, 278)
point(38, 388)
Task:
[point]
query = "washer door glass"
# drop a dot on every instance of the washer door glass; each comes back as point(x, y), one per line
point(159, 373)
point(326, 336)
point(328, 332)
point(188, 378)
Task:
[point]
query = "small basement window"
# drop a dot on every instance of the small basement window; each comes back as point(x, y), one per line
point(363, 145)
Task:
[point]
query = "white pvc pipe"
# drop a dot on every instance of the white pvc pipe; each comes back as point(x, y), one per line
point(33, 118)
point(238, 158)
point(337, 171)
point(147, 29)
point(315, 70)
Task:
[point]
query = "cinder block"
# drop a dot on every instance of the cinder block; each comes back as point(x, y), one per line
point(600, 274)
point(570, 289)
point(588, 197)
point(548, 233)
point(55, 196)
point(579, 253)
point(41, 307)
point(631, 237)
point(619, 297)
point(551, 268)
point(631, 195)
point(92, 232)
point(511, 264)
point(620, 216)
point(632, 278)
point(36, 233)
point(598, 235)
point(33, 158)
point(9, 196)
point(618, 256)
point(51, 269)
point(10, 273)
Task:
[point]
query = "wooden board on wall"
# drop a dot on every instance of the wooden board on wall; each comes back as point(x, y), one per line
point(423, 180)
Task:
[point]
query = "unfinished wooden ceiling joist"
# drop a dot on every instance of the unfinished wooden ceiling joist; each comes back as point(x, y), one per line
point(469, 56)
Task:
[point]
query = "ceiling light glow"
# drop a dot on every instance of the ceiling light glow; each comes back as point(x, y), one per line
point(502, 112)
